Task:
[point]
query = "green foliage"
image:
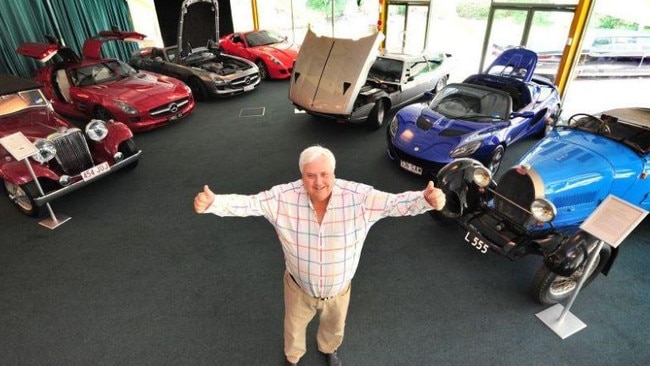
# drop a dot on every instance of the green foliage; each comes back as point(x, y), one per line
point(473, 9)
point(325, 6)
point(610, 22)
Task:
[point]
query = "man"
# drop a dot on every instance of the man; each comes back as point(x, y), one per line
point(322, 223)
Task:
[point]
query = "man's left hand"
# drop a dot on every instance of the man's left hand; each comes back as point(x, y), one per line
point(434, 196)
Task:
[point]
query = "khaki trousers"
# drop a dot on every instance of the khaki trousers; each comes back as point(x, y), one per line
point(300, 308)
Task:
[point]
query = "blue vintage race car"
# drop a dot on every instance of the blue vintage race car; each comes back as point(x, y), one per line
point(538, 205)
point(478, 118)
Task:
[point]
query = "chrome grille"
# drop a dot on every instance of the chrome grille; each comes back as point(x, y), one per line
point(515, 193)
point(243, 81)
point(72, 151)
point(169, 109)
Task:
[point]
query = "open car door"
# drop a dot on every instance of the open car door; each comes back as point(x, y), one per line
point(329, 72)
point(93, 46)
point(518, 63)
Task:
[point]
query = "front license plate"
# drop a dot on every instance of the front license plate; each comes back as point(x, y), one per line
point(477, 241)
point(175, 117)
point(249, 87)
point(410, 167)
point(95, 171)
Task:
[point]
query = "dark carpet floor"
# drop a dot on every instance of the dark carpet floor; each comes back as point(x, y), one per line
point(137, 278)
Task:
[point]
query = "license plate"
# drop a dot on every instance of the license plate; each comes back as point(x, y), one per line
point(95, 171)
point(249, 87)
point(477, 241)
point(175, 117)
point(410, 167)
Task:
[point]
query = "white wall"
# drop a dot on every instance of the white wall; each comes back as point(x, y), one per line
point(145, 21)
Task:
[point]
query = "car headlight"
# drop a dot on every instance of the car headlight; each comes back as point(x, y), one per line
point(187, 88)
point(465, 150)
point(482, 176)
point(125, 107)
point(392, 128)
point(543, 210)
point(46, 151)
point(275, 60)
point(96, 130)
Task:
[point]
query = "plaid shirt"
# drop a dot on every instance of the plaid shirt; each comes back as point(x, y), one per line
point(322, 258)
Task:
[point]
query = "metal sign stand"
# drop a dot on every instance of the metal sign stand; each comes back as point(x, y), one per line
point(611, 222)
point(21, 148)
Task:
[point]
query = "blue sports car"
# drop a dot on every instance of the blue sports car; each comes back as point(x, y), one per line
point(538, 205)
point(478, 118)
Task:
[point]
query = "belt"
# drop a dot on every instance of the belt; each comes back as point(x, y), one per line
point(313, 297)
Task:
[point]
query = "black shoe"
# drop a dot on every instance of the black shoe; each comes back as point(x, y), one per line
point(333, 359)
point(287, 363)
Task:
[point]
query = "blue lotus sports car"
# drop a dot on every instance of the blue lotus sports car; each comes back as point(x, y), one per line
point(478, 118)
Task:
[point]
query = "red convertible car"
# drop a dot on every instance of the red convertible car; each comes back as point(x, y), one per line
point(65, 158)
point(268, 50)
point(106, 88)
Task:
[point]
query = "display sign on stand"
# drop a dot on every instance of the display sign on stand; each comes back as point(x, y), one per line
point(19, 146)
point(612, 221)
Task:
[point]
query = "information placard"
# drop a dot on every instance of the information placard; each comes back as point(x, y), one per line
point(18, 145)
point(613, 220)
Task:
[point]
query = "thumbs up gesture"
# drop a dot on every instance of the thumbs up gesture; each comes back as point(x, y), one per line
point(203, 199)
point(434, 196)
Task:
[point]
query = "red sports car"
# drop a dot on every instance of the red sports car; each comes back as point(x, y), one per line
point(271, 52)
point(107, 88)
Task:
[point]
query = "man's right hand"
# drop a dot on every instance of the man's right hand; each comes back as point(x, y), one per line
point(203, 199)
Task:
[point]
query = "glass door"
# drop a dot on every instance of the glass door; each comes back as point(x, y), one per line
point(407, 26)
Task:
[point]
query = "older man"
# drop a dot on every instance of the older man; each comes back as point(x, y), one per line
point(322, 222)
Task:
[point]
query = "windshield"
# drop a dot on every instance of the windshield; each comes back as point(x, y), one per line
point(635, 136)
point(263, 38)
point(386, 69)
point(13, 103)
point(100, 73)
point(467, 101)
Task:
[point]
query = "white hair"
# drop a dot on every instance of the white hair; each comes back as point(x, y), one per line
point(314, 152)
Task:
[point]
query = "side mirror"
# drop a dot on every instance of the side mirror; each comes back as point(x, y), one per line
point(428, 95)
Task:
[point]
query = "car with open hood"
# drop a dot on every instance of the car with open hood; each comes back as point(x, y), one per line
point(66, 158)
point(93, 86)
point(348, 80)
point(271, 52)
point(478, 118)
point(538, 205)
point(197, 59)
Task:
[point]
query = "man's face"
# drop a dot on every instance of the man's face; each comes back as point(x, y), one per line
point(318, 179)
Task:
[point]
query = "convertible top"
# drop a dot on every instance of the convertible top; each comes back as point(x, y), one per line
point(10, 84)
point(637, 116)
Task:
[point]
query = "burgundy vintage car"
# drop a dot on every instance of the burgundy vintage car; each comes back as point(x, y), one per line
point(66, 159)
point(107, 88)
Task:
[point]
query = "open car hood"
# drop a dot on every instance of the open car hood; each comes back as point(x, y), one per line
point(93, 46)
point(43, 52)
point(198, 24)
point(518, 63)
point(329, 72)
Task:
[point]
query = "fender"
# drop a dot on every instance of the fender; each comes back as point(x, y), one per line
point(16, 172)
point(118, 132)
point(572, 253)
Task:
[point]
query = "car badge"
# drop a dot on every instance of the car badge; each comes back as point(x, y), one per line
point(417, 148)
point(247, 80)
point(173, 107)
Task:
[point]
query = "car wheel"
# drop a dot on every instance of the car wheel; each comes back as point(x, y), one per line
point(198, 89)
point(22, 196)
point(442, 82)
point(103, 114)
point(377, 114)
point(551, 288)
point(496, 159)
point(264, 72)
point(128, 148)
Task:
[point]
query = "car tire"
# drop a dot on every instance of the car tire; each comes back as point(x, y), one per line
point(22, 196)
point(103, 114)
point(198, 89)
point(551, 288)
point(377, 114)
point(128, 148)
point(496, 159)
point(264, 71)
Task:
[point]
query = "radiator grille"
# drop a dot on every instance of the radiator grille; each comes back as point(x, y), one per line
point(515, 193)
point(72, 151)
